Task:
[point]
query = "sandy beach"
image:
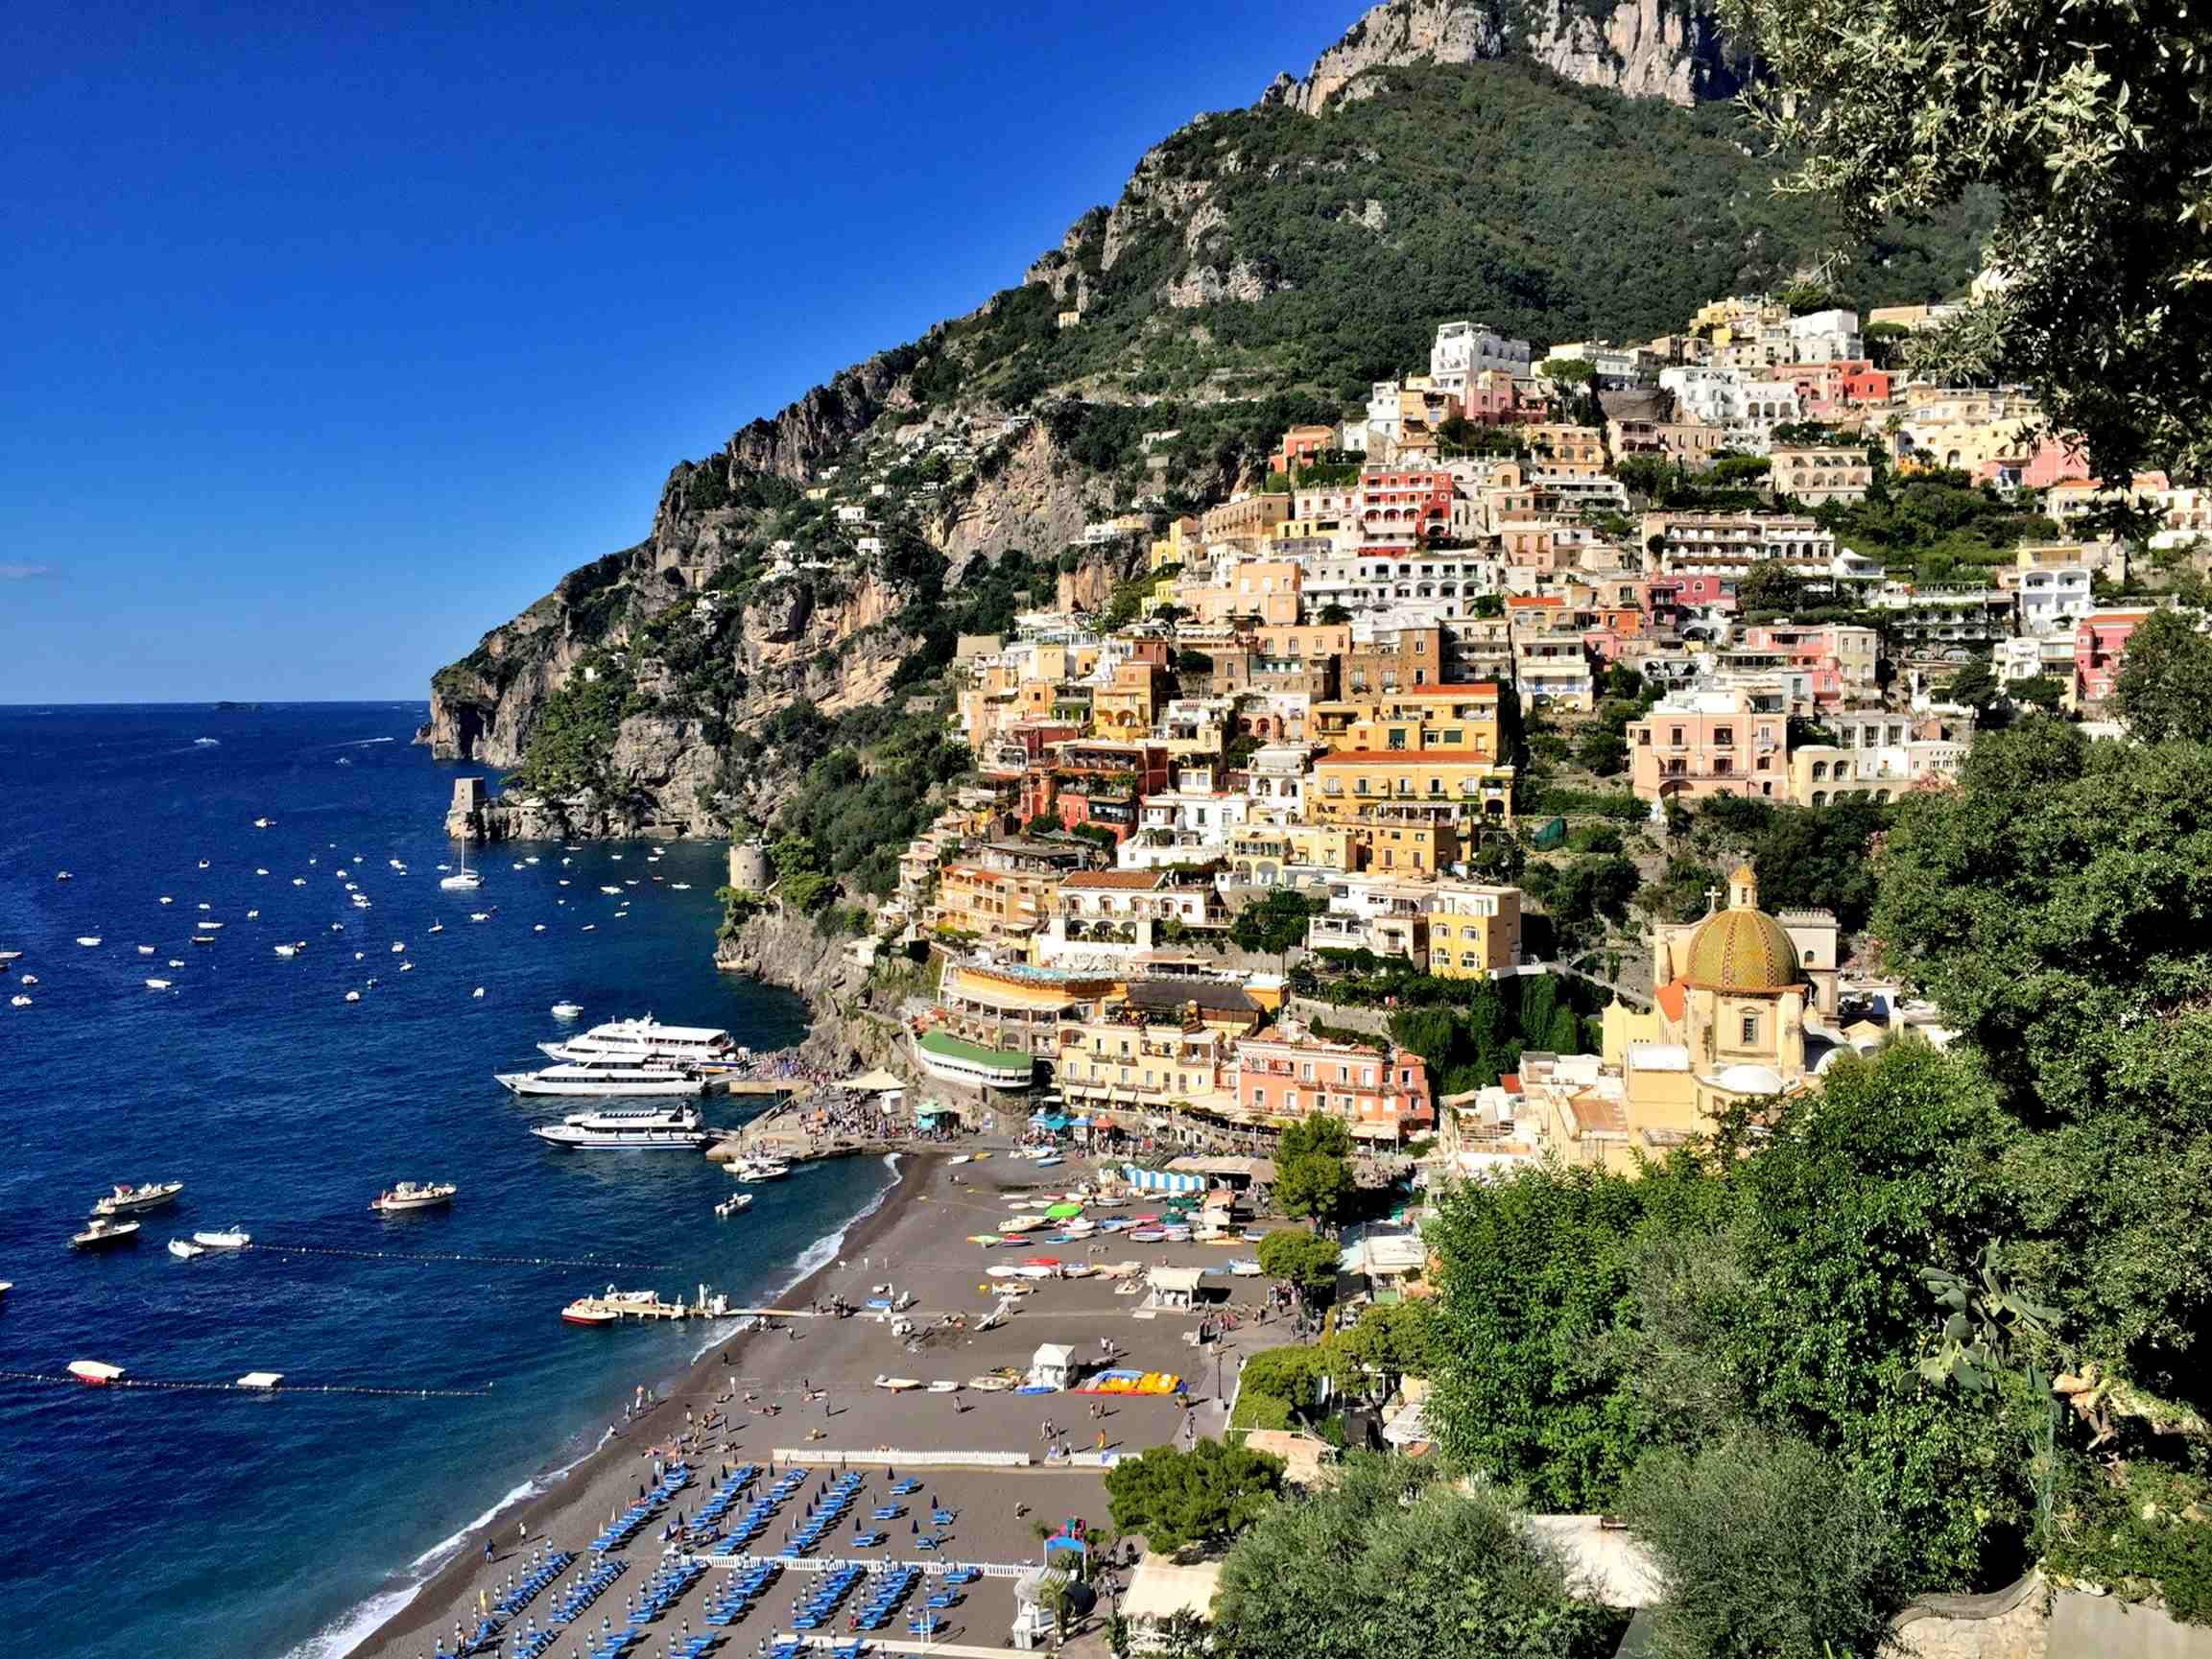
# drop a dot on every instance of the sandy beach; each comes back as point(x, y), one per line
point(810, 1386)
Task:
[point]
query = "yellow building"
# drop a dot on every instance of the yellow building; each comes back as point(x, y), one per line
point(1414, 720)
point(1402, 843)
point(1178, 546)
point(1474, 930)
point(1260, 854)
point(1128, 707)
point(1459, 784)
point(1138, 1060)
point(1249, 518)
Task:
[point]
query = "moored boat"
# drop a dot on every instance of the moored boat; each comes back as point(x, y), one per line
point(414, 1195)
point(101, 1234)
point(627, 1126)
point(603, 1080)
point(127, 1200)
point(229, 1239)
point(185, 1249)
point(94, 1373)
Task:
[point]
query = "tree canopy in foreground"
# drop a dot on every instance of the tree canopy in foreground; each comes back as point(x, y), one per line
point(2093, 123)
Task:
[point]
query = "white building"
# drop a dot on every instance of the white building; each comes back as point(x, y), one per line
point(1826, 336)
point(1464, 350)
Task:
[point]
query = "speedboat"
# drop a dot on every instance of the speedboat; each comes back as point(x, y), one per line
point(414, 1195)
point(262, 822)
point(145, 950)
point(618, 1126)
point(567, 1010)
point(352, 996)
point(586, 1310)
point(230, 1239)
point(759, 1169)
point(19, 1001)
point(185, 1249)
point(135, 1200)
point(732, 1205)
point(157, 985)
point(101, 1234)
point(94, 1373)
point(89, 940)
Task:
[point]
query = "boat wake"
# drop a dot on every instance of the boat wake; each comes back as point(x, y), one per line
point(343, 1635)
point(818, 1254)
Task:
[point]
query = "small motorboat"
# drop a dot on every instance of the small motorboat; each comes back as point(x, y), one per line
point(127, 1200)
point(89, 940)
point(437, 927)
point(167, 900)
point(414, 1195)
point(583, 1310)
point(262, 822)
point(399, 948)
point(732, 1205)
point(759, 1169)
point(352, 996)
point(63, 876)
point(203, 938)
point(145, 950)
point(568, 1011)
point(157, 985)
point(230, 1239)
point(94, 1373)
point(288, 950)
point(19, 1001)
point(478, 992)
point(102, 1234)
point(185, 1249)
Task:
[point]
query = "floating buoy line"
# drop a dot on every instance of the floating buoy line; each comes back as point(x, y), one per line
point(593, 1261)
point(207, 1388)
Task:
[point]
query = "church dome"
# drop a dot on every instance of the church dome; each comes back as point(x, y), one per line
point(1742, 948)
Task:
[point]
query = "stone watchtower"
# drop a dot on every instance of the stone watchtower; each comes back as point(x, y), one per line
point(748, 866)
point(464, 817)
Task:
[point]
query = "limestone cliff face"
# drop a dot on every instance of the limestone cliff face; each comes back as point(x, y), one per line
point(1667, 49)
point(1035, 501)
point(847, 1031)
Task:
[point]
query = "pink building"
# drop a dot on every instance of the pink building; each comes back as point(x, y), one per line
point(1828, 389)
point(1379, 1095)
point(1696, 743)
point(1399, 507)
point(2100, 647)
point(1836, 662)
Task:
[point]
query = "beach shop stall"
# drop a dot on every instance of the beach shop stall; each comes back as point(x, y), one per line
point(880, 1089)
point(1173, 1290)
point(1054, 1365)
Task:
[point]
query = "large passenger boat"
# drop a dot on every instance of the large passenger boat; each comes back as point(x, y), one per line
point(644, 1041)
point(620, 1127)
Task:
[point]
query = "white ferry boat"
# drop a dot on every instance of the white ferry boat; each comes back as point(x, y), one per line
point(640, 1042)
point(618, 1126)
point(603, 1080)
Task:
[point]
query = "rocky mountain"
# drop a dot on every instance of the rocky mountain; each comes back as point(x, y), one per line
point(801, 591)
point(1640, 48)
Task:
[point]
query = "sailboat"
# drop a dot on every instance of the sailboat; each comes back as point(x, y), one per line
point(463, 879)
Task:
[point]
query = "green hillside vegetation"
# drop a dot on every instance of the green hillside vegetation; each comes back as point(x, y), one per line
point(1546, 208)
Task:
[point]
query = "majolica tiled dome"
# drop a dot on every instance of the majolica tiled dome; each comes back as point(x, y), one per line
point(1741, 948)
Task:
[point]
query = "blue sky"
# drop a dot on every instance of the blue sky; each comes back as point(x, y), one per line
point(331, 336)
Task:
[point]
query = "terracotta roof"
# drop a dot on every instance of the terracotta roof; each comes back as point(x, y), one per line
point(1411, 756)
point(1134, 881)
point(1594, 1114)
point(1674, 998)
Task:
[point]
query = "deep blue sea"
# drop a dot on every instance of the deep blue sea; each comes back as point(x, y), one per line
point(240, 1526)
